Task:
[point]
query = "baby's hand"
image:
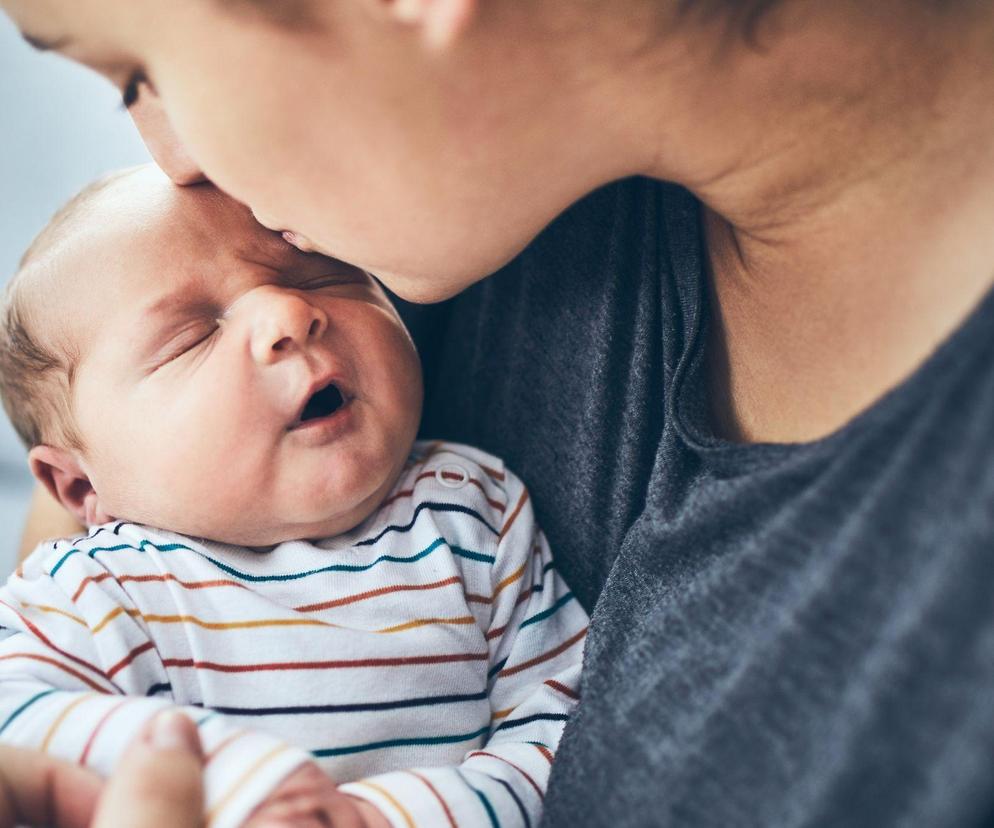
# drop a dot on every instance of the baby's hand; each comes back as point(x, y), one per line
point(308, 798)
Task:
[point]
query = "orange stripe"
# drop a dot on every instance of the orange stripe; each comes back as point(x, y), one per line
point(500, 714)
point(517, 510)
point(424, 622)
point(57, 611)
point(93, 736)
point(209, 625)
point(545, 752)
point(545, 656)
point(224, 800)
point(61, 666)
point(438, 796)
point(510, 579)
point(525, 774)
point(374, 593)
point(110, 616)
point(389, 798)
point(60, 719)
point(562, 688)
point(496, 475)
point(234, 737)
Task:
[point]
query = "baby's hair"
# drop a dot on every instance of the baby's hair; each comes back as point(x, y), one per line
point(36, 373)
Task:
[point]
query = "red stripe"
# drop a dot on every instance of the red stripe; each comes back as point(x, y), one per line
point(438, 796)
point(322, 665)
point(545, 656)
point(103, 719)
point(143, 579)
point(48, 643)
point(373, 593)
point(545, 752)
point(124, 662)
point(538, 790)
point(514, 515)
point(61, 666)
point(562, 688)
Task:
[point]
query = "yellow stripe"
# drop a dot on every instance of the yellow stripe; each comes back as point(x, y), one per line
point(500, 714)
point(110, 616)
point(510, 579)
point(224, 800)
point(60, 719)
point(424, 622)
point(389, 798)
point(68, 615)
point(211, 625)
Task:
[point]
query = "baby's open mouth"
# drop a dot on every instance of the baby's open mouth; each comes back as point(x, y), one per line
point(323, 403)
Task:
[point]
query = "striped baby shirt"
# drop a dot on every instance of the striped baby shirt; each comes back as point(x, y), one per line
point(429, 658)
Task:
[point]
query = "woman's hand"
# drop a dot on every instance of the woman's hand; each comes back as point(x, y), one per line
point(158, 782)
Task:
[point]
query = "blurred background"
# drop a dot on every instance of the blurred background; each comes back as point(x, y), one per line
point(61, 126)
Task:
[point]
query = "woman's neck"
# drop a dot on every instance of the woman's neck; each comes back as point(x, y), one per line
point(850, 202)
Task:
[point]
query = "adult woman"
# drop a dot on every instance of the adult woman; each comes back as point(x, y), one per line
point(731, 417)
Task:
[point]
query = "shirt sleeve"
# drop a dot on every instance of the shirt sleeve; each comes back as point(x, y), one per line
point(77, 666)
point(535, 638)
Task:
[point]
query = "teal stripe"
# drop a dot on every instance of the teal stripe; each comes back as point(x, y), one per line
point(473, 556)
point(541, 616)
point(24, 707)
point(494, 822)
point(293, 576)
point(423, 740)
point(207, 718)
point(166, 547)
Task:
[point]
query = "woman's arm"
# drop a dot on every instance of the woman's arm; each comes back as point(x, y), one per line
point(46, 519)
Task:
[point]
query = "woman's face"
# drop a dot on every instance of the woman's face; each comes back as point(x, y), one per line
point(342, 127)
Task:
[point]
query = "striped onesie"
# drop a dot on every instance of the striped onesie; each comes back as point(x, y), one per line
point(429, 658)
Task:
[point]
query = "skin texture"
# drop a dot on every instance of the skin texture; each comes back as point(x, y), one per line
point(199, 337)
point(159, 783)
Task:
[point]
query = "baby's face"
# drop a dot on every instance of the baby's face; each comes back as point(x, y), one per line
point(229, 386)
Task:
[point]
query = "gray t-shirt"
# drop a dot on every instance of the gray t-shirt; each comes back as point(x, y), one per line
point(783, 635)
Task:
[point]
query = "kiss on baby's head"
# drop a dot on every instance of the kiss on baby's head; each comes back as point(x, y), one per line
point(168, 361)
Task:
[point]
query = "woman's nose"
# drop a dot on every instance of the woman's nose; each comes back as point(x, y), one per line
point(166, 149)
point(281, 322)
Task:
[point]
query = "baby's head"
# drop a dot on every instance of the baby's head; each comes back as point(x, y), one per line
point(170, 362)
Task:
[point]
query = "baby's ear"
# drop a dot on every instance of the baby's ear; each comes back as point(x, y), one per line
point(60, 472)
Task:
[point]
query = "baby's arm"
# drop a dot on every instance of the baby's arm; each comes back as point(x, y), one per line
point(76, 661)
point(535, 637)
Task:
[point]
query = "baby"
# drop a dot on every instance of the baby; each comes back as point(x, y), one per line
point(324, 592)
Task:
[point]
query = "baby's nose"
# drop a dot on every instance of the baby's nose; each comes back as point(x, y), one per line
point(282, 321)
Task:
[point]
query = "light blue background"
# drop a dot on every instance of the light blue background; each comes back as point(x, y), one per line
point(61, 126)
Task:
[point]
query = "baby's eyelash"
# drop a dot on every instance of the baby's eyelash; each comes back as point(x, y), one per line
point(129, 95)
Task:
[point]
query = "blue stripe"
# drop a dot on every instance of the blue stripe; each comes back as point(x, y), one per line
point(538, 717)
point(433, 507)
point(423, 740)
point(541, 616)
point(24, 707)
point(514, 796)
point(358, 707)
point(493, 671)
